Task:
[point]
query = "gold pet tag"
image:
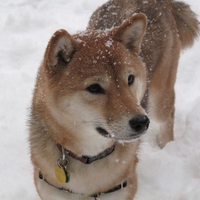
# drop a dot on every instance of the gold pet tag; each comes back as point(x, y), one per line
point(61, 175)
point(61, 172)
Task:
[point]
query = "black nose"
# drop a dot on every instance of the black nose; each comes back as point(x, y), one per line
point(139, 123)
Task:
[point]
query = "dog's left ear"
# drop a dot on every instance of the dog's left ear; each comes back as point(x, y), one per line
point(131, 32)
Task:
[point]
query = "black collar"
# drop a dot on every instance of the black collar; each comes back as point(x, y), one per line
point(88, 159)
point(95, 196)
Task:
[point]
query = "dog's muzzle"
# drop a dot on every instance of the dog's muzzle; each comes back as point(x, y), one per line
point(138, 125)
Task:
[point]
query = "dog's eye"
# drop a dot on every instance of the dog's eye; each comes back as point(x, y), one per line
point(95, 89)
point(131, 79)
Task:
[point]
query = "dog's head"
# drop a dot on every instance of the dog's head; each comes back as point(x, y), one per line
point(91, 85)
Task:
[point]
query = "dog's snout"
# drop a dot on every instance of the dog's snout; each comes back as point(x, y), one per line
point(139, 123)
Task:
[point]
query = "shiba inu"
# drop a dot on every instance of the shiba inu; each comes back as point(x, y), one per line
point(97, 92)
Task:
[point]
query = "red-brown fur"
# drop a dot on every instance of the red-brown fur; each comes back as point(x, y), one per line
point(171, 27)
point(65, 112)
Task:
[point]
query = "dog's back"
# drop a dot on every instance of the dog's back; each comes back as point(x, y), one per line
point(172, 26)
point(112, 14)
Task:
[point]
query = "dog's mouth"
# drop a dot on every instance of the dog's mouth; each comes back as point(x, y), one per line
point(105, 133)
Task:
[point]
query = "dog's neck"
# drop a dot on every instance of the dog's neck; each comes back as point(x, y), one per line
point(87, 159)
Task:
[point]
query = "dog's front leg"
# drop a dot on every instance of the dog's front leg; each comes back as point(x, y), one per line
point(162, 115)
point(166, 133)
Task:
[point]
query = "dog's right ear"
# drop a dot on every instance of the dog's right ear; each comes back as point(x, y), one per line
point(59, 51)
point(131, 32)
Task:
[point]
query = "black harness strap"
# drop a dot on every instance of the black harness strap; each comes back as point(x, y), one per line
point(118, 187)
point(95, 196)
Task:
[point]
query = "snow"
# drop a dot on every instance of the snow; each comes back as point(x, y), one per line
point(109, 43)
point(172, 173)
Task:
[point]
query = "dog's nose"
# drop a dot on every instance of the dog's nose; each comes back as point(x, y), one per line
point(139, 123)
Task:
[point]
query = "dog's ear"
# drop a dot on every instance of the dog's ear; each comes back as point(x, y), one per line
point(59, 51)
point(131, 32)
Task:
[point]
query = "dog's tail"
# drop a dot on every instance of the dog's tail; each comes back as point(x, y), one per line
point(187, 23)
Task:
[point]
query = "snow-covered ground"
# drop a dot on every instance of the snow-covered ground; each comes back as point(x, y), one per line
point(172, 173)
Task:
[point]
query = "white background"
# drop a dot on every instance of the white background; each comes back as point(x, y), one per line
point(25, 28)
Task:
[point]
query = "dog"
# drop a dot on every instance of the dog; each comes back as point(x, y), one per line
point(172, 26)
point(96, 93)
